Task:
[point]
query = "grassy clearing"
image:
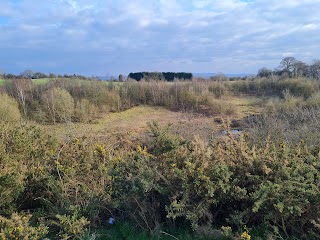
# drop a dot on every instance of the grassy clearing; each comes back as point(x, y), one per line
point(242, 105)
point(134, 122)
point(1, 82)
point(247, 105)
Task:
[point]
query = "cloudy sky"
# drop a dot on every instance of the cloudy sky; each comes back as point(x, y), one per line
point(100, 37)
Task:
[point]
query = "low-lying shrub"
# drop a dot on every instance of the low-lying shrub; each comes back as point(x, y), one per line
point(228, 182)
point(18, 227)
point(231, 181)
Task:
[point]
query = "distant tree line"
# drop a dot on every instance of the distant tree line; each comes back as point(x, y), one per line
point(29, 74)
point(165, 76)
point(291, 67)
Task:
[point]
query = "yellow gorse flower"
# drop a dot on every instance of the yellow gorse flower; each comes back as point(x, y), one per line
point(245, 236)
point(100, 150)
point(143, 150)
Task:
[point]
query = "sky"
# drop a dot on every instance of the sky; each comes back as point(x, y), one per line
point(109, 37)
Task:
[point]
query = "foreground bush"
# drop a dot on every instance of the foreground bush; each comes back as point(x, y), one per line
point(24, 154)
point(18, 227)
point(229, 182)
point(169, 181)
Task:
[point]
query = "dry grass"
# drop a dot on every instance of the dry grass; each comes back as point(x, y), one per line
point(133, 123)
point(247, 105)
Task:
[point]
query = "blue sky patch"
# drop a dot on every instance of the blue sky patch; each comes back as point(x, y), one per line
point(4, 20)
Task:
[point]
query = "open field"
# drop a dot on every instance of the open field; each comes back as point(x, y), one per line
point(41, 81)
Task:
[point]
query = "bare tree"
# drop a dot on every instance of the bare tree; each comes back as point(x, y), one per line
point(26, 74)
point(314, 69)
point(48, 102)
point(300, 69)
point(22, 88)
point(287, 64)
point(264, 72)
point(59, 104)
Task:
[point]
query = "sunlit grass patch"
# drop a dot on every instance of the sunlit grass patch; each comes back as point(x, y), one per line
point(247, 105)
point(41, 81)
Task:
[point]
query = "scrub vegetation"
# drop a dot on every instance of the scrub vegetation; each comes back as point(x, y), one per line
point(204, 159)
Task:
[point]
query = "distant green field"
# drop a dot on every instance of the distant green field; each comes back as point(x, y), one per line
point(40, 81)
point(35, 81)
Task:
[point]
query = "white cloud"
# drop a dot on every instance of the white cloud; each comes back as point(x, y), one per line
point(201, 3)
point(310, 27)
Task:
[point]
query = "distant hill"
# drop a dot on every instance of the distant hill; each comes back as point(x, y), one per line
point(208, 75)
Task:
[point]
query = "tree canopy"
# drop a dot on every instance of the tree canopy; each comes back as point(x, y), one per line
point(165, 76)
